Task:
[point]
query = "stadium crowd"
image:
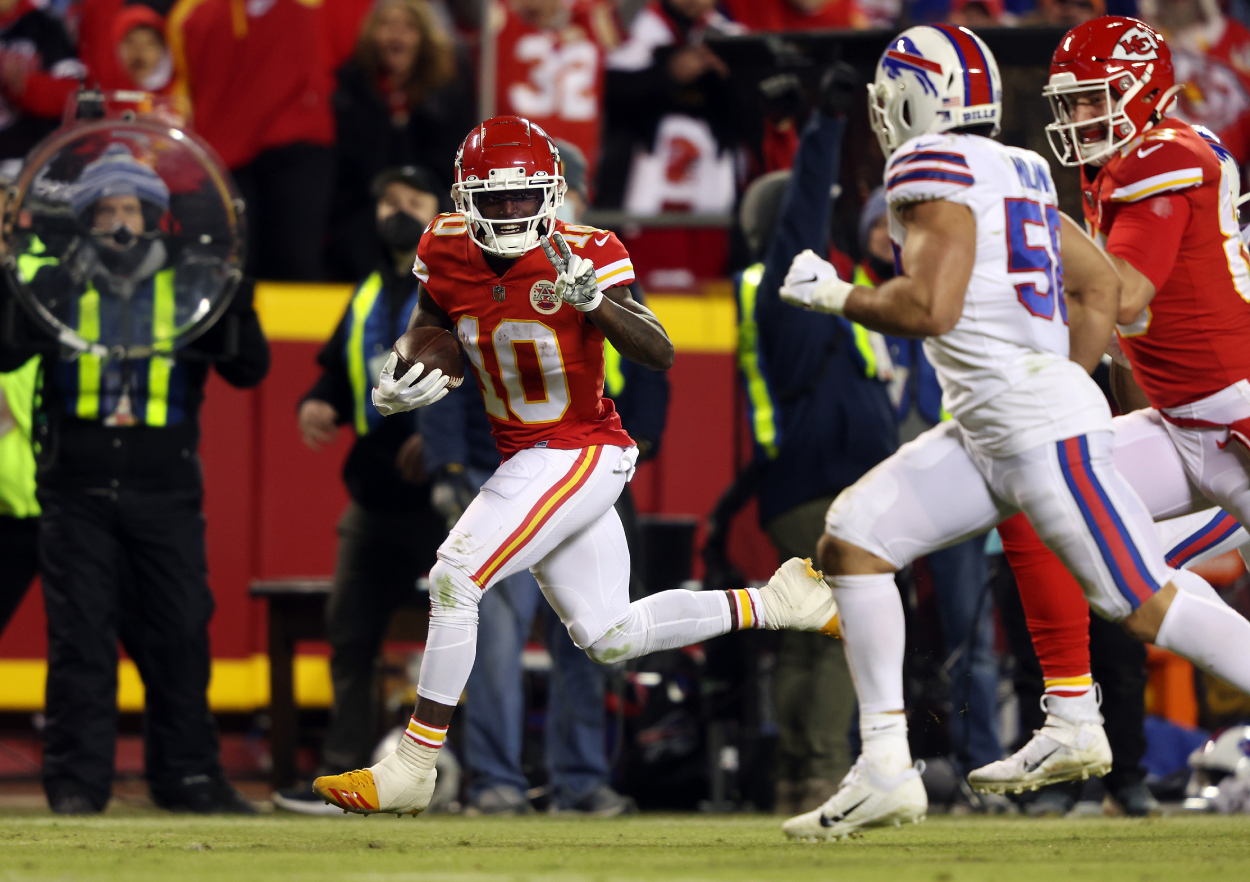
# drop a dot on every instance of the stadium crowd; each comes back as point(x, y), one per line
point(307, 102)
point(339, 121)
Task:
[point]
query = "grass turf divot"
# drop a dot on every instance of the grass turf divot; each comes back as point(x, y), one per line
point(690, 848)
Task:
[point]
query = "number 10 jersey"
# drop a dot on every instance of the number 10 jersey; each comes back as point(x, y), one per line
point(538, 361)
point(1004, 367)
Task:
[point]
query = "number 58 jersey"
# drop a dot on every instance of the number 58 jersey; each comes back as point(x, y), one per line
point(1004, 367)
point(538, 361)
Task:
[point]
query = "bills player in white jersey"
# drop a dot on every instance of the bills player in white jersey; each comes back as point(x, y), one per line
point(986, 259)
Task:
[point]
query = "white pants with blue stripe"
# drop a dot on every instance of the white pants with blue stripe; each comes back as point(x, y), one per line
point(936, 491)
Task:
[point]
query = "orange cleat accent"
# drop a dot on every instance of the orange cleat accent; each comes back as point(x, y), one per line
point(352, 791)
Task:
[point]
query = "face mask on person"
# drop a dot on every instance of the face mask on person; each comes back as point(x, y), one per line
point(401, 231)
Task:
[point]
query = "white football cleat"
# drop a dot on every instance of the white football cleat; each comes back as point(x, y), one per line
point(385, 788)
point(798, 598)
point(865, 799)
point(1061, 750)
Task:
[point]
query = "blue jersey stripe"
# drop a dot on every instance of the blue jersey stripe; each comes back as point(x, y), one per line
point(931, 156)
point(931, 174)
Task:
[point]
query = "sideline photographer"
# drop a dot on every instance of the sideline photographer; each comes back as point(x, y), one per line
point(122, 551)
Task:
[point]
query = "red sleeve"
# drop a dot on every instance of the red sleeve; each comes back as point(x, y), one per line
point(1148, 233)
point(45, 95)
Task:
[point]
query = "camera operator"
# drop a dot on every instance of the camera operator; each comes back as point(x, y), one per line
point(122, 552)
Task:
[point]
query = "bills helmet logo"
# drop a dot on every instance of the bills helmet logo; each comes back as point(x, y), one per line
point(1136, 45)
point(543, 297)
point(904, 56)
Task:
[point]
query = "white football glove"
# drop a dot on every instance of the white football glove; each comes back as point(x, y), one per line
point(628, 464)
point(410, 391)
point(813, 283)
point(576, 282)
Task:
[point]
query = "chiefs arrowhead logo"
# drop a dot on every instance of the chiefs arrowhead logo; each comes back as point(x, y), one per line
point(1136, 45)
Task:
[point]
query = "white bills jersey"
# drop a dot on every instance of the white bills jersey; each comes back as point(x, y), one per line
point(1004, 367)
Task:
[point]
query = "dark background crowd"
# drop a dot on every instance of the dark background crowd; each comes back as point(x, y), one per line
point(307, 102)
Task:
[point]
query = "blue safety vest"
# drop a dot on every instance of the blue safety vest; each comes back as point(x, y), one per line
point(371, 331)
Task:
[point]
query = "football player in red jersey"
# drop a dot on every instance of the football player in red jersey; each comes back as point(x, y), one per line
point(532, 300)
point(1160, 197)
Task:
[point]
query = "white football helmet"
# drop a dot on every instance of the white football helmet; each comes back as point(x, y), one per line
point(933, 78)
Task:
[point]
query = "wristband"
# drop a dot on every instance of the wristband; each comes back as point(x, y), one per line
point(590, 304)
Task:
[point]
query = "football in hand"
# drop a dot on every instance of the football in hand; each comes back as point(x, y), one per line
point(432, 347)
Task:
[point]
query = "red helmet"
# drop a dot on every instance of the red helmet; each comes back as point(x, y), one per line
point(1125, 63)
point(508, 153)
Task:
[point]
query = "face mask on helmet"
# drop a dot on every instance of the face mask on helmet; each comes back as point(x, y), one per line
point(508, 217)
point(1090, 119)
point(1111, 81)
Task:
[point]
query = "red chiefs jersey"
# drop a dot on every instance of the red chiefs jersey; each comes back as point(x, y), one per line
point(554, 77)
point(538, 361)
point(1194, 338)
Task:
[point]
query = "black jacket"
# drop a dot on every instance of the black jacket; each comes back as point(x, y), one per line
point(368, 143)
point(373, 481)
point(79, 454)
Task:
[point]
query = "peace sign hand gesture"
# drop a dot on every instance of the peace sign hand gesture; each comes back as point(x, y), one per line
point(576, 282)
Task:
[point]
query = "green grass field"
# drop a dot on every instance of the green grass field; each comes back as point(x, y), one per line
point(142, 846)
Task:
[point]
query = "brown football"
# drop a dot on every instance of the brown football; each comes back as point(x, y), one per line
point(432, 347)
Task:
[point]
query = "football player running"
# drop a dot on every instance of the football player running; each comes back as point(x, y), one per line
point(532, 299)
point(985, 257)
point(1161, 199)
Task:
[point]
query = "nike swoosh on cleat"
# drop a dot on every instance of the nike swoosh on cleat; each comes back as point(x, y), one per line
point(829, 822)
point(1033, 767)
point(600, 242)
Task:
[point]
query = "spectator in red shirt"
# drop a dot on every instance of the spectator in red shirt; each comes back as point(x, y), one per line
point(399, 102)
point(96, 46)
point(254, 81)
point(1211, 53)
point(38, 74)
point(796, 15)
point(143, 58)
point(549, 58)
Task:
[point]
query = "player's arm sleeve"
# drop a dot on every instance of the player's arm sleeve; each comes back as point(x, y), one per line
point(1147, 234)
point(444, 426)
